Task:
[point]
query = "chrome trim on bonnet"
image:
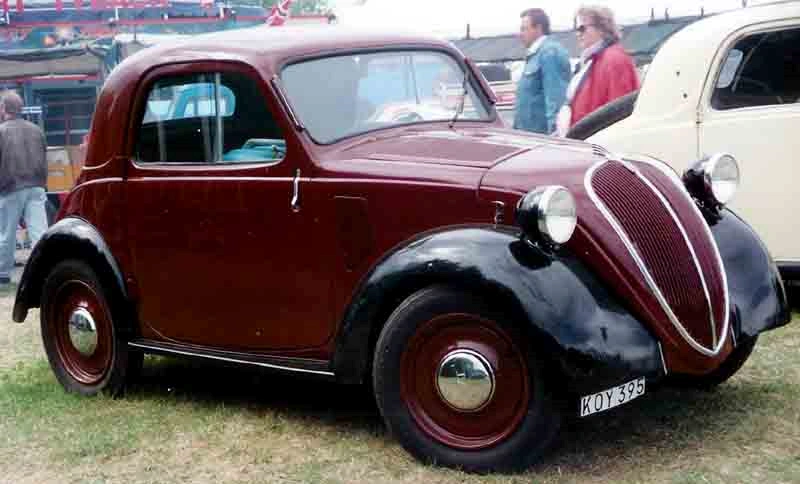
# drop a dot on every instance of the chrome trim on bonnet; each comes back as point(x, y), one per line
point(718, 344)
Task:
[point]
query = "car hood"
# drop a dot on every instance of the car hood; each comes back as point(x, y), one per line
point(474, 148)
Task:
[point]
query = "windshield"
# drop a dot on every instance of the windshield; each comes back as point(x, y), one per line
point(336, 97)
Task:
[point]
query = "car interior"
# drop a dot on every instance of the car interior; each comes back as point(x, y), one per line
point(767, 73)
point(186, 134)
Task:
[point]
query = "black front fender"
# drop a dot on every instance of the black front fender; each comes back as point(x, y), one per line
point(70, 238)
point(758, 299)
point(568, 312)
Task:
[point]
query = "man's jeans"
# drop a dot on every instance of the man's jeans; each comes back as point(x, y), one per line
point(30, 203)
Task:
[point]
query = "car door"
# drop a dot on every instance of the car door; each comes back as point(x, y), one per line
point(751, 109)
point(224, 253)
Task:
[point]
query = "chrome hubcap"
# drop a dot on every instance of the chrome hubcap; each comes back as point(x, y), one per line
point(83, 331)
point(465, 380)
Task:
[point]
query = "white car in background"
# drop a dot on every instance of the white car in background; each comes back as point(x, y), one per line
point(728, 83)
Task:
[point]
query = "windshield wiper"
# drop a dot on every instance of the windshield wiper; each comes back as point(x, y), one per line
point(463, 99)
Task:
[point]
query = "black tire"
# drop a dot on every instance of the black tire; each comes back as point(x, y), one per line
point(526, 440)
point(725, 371)
point(73, 284)
point(603, 117)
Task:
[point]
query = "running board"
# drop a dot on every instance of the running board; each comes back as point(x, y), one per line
point(305, 366)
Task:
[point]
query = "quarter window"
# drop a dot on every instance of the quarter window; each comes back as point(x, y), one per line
point(208, 118)
point(760, 70)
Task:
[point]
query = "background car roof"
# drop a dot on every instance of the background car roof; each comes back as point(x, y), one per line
point(677, 77)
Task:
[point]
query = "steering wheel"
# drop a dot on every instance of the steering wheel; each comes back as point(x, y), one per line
point(765, 89)
point(410, 117)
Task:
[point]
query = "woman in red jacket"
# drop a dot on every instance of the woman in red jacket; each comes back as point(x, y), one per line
point(606, 72)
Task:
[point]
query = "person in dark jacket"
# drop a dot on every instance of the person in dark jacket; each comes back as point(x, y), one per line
point(23, 178)
point(541, 89)
point(606, 71)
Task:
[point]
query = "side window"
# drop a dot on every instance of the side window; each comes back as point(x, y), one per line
point(208, 118)
point(760, 70)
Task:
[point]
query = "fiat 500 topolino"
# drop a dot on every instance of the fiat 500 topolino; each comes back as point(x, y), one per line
point(485, 281)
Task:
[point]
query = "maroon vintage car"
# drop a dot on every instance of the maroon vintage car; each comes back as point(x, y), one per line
point(318, 202)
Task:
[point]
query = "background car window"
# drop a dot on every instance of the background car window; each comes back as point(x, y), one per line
point(760, 70)
point(208, 118)
point(730, 68)
point(369, 91)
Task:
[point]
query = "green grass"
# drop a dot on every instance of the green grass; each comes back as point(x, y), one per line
point(190, 422)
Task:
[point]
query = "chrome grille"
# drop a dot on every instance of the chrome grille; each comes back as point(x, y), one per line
point(689, 288)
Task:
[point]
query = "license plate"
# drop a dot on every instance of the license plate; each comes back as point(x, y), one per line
point(612, 397)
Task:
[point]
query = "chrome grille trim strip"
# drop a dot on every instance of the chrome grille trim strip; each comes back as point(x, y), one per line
point(612, 220)
point(663, 361)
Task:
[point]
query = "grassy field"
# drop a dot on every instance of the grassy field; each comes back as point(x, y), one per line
point(190, 422)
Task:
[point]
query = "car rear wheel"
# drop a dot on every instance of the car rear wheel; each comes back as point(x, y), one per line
point(81, 336)
point(726, 370)
point(458, 386)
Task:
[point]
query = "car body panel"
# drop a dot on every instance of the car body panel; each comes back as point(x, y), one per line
point(235, 221)
point(282, 259)
point(758, 298)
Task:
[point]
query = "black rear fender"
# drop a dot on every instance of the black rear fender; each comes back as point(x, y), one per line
point(70, 238)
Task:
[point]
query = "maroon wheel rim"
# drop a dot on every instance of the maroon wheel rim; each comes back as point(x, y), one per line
point(70, 297)
point(494, 422)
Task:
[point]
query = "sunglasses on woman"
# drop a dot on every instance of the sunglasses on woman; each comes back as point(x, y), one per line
point(582, 28)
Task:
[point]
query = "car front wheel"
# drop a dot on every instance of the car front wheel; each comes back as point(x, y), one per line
point(81, 337)
point(459, 386)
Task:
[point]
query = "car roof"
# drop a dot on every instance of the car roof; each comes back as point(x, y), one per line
point(676, 78)
point(727, 22)
point(264, 48)
point(300, 40)
point(267, 47)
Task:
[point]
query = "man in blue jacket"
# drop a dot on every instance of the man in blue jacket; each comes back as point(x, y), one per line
point(542, 88)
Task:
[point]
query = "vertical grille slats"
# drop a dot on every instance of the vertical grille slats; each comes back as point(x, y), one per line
point(664, 251)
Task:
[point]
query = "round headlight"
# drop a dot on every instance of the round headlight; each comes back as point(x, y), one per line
point(713, 180)
point(548, 213)
point(722, 175)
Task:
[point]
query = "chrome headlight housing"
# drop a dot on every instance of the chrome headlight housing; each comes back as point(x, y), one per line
point(713, 180)
point(548, 214)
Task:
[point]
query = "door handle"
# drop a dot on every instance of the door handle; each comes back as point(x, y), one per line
point(295, 203)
